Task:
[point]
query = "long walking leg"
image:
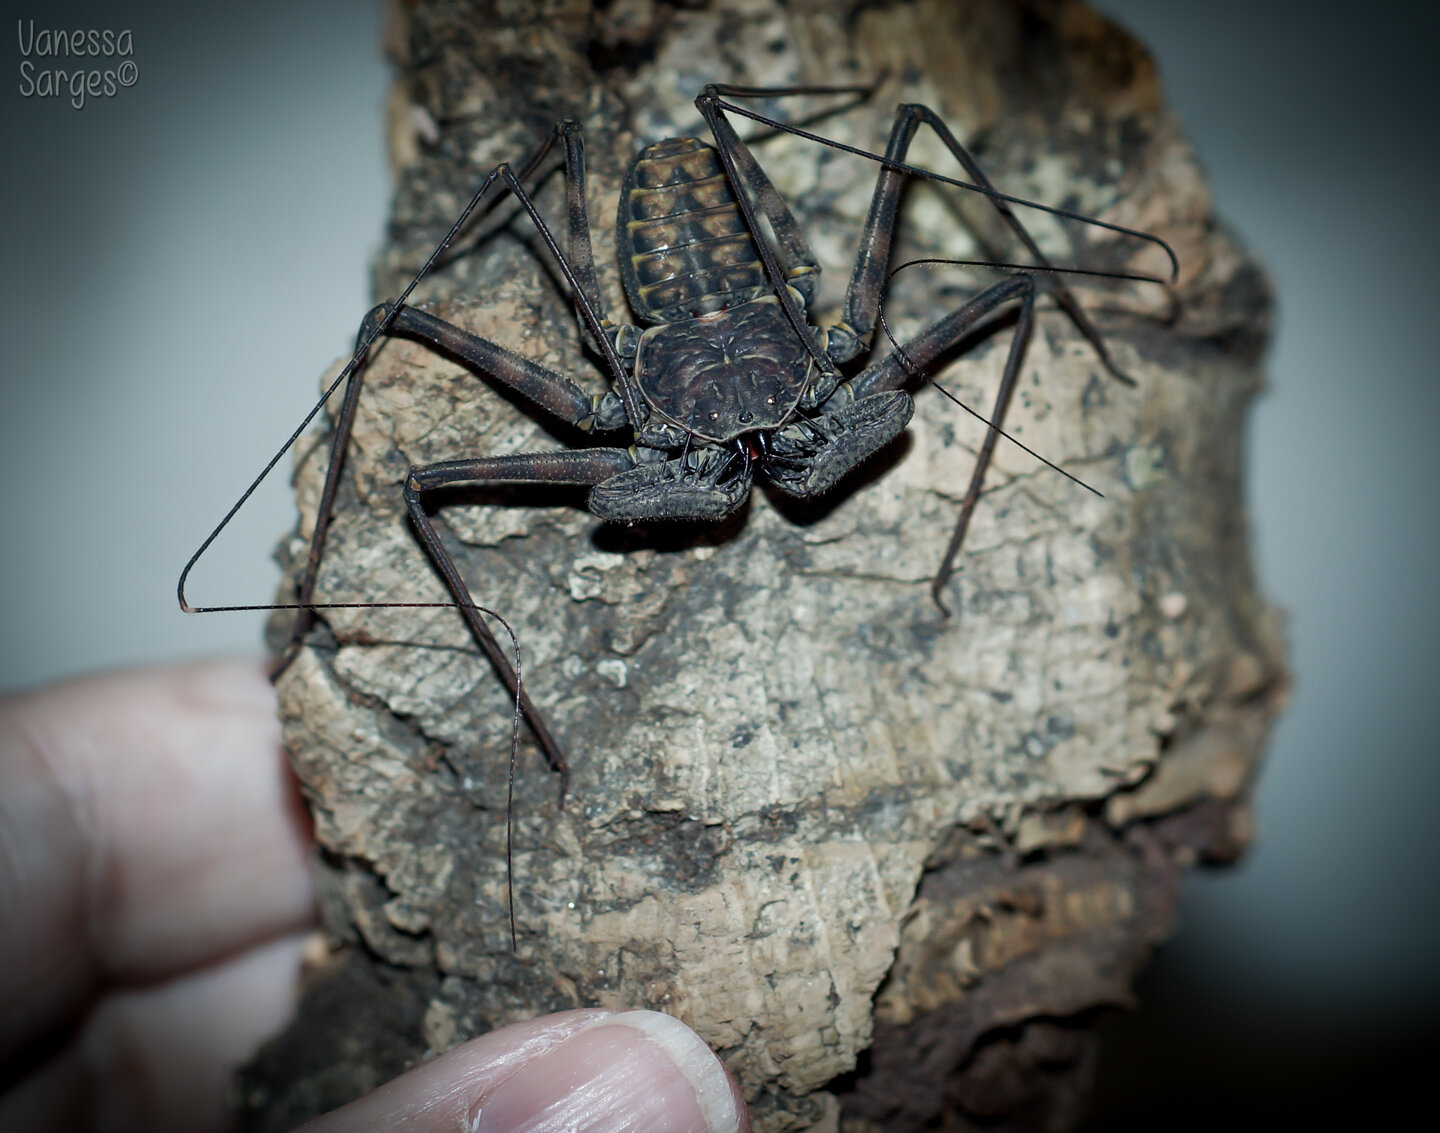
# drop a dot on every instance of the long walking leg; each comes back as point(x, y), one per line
point(550, 390)
point(584, 467)
point(810, 456)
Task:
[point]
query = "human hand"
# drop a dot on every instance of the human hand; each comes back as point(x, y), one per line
point(154, 900)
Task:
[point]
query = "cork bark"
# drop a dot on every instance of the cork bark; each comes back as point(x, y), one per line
point(888, 863)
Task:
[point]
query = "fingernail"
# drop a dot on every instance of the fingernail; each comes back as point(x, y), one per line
point(639, 1070)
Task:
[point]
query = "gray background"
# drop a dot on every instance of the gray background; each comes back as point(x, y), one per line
point(1306, 979)
point(183, 260)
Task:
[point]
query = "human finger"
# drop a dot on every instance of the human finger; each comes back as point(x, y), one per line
point(589, 1071)
point(148, 827)
point(161, 1058)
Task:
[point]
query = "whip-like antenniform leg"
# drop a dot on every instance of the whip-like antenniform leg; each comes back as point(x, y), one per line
point(809, 456)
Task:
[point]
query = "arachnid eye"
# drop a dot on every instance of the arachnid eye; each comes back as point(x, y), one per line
point(714, 415)
point(770, 400)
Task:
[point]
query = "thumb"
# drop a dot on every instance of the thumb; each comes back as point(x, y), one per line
point(593, 1071)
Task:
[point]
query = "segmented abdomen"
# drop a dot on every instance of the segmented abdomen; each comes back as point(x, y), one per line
point(684, 247)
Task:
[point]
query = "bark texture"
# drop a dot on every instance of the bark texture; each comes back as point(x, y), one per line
point(889, 864)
